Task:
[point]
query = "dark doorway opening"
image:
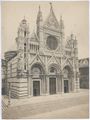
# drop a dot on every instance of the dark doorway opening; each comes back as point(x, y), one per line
point(52, 85)
point(36, 88)
point(66, 90)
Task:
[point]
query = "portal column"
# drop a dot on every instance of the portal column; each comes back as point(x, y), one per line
point(62, 84)
point(47, 85)
point(31, 87)
point(57, 85)
point(42, 86)
point(74, 80)
point(77, 82)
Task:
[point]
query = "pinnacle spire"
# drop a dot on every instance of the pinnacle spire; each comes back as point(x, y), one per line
point(61, 24)
point(51, 8)
point(39, 16)
point(61, 17)
point(75, 38)
point(50, 5)
point(72, 35)
point(39, 8)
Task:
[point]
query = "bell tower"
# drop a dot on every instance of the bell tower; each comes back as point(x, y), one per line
point(23, 34)
point(75, 61)
point(22, 45)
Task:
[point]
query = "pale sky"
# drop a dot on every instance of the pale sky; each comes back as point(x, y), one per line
point(74, 14)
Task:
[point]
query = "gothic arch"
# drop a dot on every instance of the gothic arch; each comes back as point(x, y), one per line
point(39, 68)
point(68, 65)
point(67, 71)
point(68, 78)
point(55, 66)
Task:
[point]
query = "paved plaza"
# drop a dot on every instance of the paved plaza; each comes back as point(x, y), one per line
point(70, 105)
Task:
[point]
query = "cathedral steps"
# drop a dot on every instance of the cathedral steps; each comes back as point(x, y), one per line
point(25, 110)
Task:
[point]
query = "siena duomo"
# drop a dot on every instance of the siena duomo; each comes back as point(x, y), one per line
point(42, 63)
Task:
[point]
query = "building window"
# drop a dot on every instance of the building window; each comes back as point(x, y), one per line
point(24, 55)
point(24, 33)
point(52, 42)
point(24, 66)
point(24, 47)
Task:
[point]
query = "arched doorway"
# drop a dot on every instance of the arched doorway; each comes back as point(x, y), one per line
point(67, 73)
point(37, 73)
point(52, 80)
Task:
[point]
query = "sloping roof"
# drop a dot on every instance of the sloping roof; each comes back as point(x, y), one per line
point(84, 62)
point(10, 54)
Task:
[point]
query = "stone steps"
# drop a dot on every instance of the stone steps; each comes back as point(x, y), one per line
point(42, 107)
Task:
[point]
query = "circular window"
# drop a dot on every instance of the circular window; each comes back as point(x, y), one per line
point(52, 42)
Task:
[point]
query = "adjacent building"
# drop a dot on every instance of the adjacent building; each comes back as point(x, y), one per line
point(84, 73)
point(3, 72)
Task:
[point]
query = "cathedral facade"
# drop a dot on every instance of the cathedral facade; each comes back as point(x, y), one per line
point(42, 64)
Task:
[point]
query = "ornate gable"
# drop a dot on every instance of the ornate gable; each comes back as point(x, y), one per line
point(53, 60)
point(37, 59)
point(51, 21)
point(69, 44)
point(34, 37)
point(67, 62)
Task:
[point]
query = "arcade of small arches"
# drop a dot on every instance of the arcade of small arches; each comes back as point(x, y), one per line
point(51, 82)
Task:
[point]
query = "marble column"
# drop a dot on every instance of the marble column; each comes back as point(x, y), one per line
point(62, 84)
point(28, 83)
point(31, 87)
point(47, 78)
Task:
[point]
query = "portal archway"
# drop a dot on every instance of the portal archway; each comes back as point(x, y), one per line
point(37, 72)
point(67, 77)
point(53, 70)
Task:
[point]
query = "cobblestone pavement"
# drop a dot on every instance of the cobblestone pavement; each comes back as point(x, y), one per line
point(31, 100)
point(71, 105)
point(78, 111)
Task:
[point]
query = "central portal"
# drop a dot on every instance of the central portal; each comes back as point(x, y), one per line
point(52, 85)
point(66, 90)
point(36, 88)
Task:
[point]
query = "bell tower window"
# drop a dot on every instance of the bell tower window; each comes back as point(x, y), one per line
point(24, 47)
point(24, 66)
point(24, 33)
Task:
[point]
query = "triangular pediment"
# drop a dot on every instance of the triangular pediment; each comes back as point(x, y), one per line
point(53, 60)
point(51, 21)
point(68, 44)
point(67, 62)
point(37, 59)
point(34, 37)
